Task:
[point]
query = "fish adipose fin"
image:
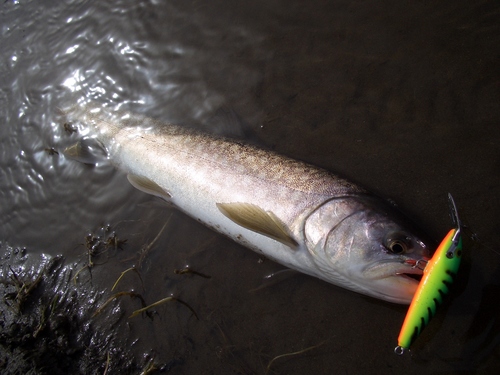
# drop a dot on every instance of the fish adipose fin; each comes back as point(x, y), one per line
point(254, 218)
point(147, 186)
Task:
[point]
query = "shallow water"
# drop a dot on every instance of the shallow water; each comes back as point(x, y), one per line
point(400, 97)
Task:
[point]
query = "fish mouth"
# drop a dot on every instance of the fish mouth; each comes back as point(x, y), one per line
point(392, 280)
point(401, 271)
point(411, 274)
point(413, 270)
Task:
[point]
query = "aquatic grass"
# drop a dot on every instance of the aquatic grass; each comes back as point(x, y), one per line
point(145, 307)
point(108, 358)
point(80, 270)
point(96, 246)
point(118, 295)
point(299, 352)
point(23, 288)
point(188, 270)
point(147, 247)
point(114, 242)
point(149, 368)
point(164, 300)
point(91, 245)
point(123, 273)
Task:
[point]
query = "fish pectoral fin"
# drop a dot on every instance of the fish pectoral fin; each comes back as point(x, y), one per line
point(254, 218)
point(148, 186)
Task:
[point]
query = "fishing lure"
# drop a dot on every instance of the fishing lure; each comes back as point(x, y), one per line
point(439, 274)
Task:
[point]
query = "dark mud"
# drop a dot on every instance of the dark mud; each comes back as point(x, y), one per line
point(49, 323)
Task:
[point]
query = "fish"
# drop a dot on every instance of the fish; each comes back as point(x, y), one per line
point(296, 214)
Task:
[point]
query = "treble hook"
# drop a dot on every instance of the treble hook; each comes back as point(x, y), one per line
point(418, 264)
point(454, 212)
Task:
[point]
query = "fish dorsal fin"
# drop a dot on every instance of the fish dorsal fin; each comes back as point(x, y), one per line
point(254, 218)
point(147, 186)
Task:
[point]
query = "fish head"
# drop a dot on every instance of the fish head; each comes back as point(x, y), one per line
point(363, 244)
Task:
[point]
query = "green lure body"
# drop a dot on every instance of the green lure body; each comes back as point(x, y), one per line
point(438, 275)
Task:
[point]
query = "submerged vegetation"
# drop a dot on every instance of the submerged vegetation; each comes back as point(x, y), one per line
point(52, 321)
point(44, 326)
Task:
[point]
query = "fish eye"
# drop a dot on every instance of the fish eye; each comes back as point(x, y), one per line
point(398, 245)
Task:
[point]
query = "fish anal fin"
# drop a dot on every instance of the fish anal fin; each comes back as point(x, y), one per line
point(148, 186)
point(254, 218)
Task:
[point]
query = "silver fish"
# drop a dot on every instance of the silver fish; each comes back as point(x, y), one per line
point(296, 214)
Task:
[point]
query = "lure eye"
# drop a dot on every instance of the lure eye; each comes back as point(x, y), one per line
point(398, 245)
